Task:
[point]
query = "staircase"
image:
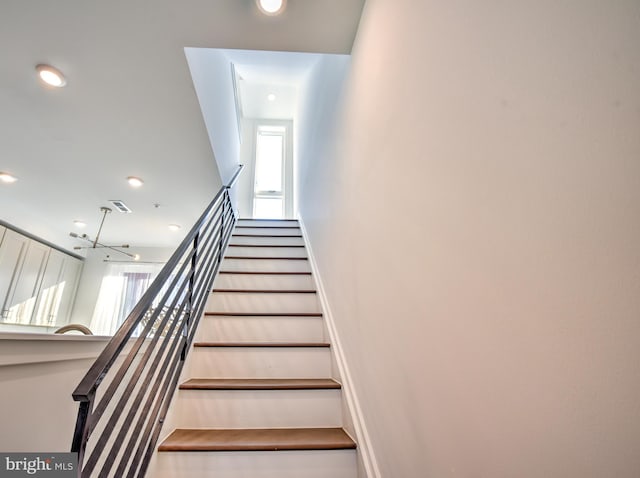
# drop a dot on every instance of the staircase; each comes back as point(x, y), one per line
point(257, 398)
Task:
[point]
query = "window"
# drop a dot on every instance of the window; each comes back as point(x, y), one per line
point(269, 197)
point(121, 288)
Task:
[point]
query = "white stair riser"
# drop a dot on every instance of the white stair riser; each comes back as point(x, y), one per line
point(264, 282)
point(263, 222)
point(265, 265)
point(264, 303)
point(260, 329)
point(265, 240)
point(258, 408)
point(269, 231)
point(267, 251)
point(256, 464)
point(259, 362)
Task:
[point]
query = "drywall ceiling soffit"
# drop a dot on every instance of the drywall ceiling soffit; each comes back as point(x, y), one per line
point(129, 107)
point(263, 73)
point(256, 103)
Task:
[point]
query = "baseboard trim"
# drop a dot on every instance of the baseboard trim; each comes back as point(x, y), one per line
point(362, 437)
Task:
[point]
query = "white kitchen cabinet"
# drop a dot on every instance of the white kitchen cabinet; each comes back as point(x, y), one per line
point(12, 250)
point(23, 260)
point(37, 283)
point(57, 291)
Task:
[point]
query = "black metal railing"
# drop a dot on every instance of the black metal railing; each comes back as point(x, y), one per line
point(125, 395)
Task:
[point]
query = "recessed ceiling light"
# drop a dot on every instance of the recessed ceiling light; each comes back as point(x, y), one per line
point(7, 178)
point(174, 227)
point(80, 224)
point(271, 97)
point(51, 76)
point(135, 182)
point(271, 7)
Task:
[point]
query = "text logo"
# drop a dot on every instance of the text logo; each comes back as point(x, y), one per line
point(45, 465)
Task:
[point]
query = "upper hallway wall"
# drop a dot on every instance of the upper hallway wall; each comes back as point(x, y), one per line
point(211, 75)
point(315, 124)
point(475, 215)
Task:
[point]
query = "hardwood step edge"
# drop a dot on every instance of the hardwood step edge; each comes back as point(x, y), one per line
point(263, 314)
point(296, 273)
point(268, 220)
point(267, 245)
point(266, 235)
point(260, 384)
point(257, 439)
point(242, 226)
point(269, 258)
point(262, 344)
point(267, 291)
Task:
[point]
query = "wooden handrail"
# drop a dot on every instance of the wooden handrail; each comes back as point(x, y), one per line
point(143, 360)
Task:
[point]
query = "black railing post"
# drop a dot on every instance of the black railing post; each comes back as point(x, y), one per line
point(192, 280)
point(224, 201)
point(81, 432)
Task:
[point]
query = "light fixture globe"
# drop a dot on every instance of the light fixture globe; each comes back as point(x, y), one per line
point(51, 76)
point(7, 177)
point(271, 7)
point(135, 182)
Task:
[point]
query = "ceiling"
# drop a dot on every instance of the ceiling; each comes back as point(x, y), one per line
point(261, 74)
point(129, 107)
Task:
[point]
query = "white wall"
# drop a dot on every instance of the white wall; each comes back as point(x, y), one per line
point(476, 223)
point(211, 74)
point(244, 187)
point(38, 373)
point(316, 123)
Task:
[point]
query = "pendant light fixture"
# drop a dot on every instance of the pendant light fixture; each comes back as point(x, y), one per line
point(95, 244)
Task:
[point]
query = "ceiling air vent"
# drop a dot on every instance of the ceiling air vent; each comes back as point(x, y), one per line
point(119, 205)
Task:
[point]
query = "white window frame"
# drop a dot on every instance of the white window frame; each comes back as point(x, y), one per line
point(267, 126)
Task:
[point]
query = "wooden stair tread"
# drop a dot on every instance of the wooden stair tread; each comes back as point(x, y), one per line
point(264, 314)
point(266, 439)
point(266, 245)
point(269, 258)
point(260, 384)
point(295, 273)
point(266, 235)
point(268, 291)
point(242, 226)
point(266, 220)
point(263, 344)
